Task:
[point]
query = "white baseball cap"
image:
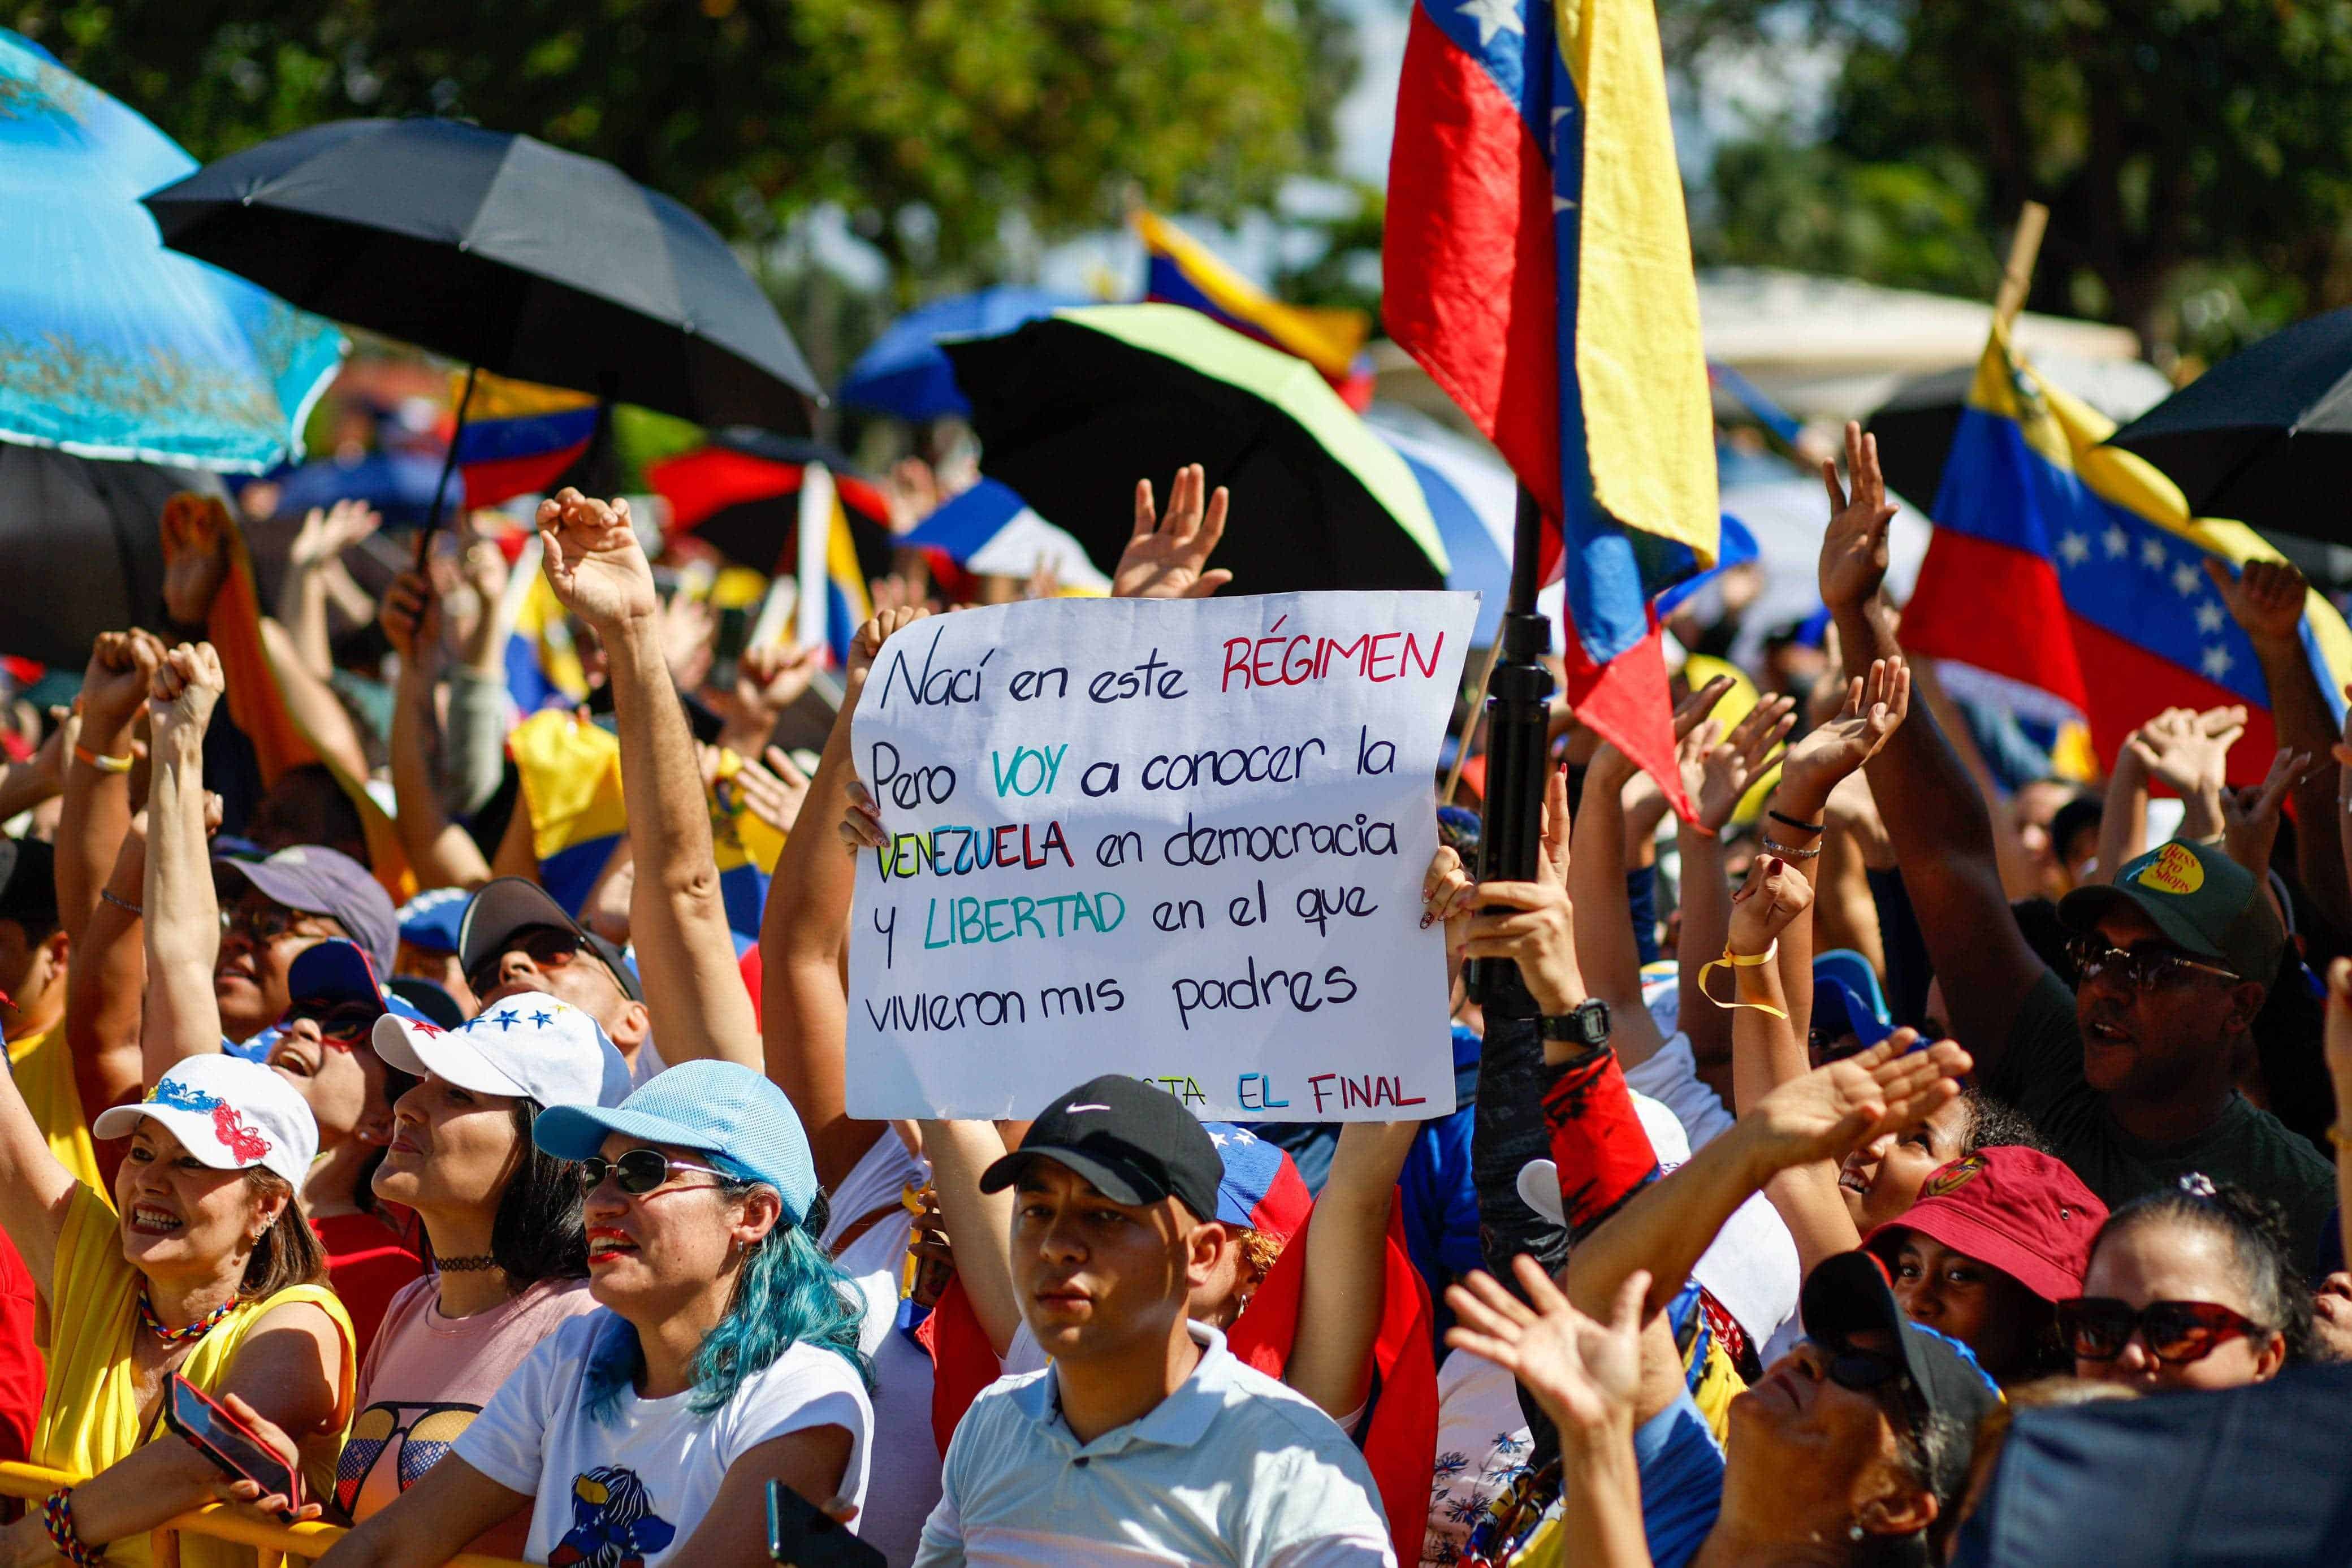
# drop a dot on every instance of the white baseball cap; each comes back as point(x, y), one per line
point(530, 1047)
point(230, 1114)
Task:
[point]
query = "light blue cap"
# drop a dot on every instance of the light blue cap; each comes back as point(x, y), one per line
point(715, 1107)
point(1854, 971)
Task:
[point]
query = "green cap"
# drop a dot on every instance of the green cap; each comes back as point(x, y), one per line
point(2206, 902)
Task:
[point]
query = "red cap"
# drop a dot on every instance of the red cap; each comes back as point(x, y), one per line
point(2018, 1209)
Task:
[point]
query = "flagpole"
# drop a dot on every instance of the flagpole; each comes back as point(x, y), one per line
point(2017, 277)
point(448, 466)
point(1518, 729)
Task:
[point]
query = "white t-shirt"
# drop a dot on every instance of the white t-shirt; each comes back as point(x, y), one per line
point(905, 1486)
point(1482, 1443)
point(637, 1485)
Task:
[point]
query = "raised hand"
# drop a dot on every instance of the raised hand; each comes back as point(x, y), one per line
point(773, 793)
point(2266, 597)
point(184, 691)
point(1727, 766)
point(1853, 549)
point(1836, 1109)
point(867, 646)
point(326, 532)
point(1166, 557)
point(861, 823)
point(115, 681)
point(1876, 706)
point(1584, 1374)
point(1447, 894)
point(2249, 816)
point(1768, 903)
point(410, 615)
point(194, 530)
point(2189, 752)
point(593, 561)
point(769, 679)
point(1532, 923)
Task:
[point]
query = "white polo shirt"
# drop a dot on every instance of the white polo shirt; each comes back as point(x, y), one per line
point(1233, 1468)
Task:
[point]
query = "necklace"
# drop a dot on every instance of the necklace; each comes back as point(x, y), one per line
point(195, 1331)
point(467, 1263)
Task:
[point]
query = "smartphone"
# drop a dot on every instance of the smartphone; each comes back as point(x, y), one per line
point(802, 1536)
point(228, 1442)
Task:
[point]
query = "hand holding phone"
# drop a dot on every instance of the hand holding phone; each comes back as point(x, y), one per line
point(802, 1536)
point(233, 1447)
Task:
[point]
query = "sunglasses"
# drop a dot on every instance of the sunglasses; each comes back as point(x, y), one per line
point(547, 947)
point(1873, 1373)
point(2176, 1332)
point(639, 1171)
point(264, 924)
point(340, 1023)
point(2141, 968)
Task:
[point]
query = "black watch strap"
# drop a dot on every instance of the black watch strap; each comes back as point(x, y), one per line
point(1586, 1025)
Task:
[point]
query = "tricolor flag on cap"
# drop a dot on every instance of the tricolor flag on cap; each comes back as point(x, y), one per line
point(1262, 1187)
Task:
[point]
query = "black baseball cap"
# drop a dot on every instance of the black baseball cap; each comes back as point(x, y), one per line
point(1848, 1294)
point(499, 908)
point(1136, 1144)
point(2201, 899)
point(28, 883)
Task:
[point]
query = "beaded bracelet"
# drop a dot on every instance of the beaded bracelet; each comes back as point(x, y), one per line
point(1785, 853)
point(56, 1518)
point(119, 901)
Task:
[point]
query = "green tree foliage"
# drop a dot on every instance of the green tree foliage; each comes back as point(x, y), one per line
point(2196, 154)
point(931, 119)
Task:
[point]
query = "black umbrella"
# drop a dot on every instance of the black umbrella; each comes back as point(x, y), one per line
point(2254, 1478)
point(1072, 410)
point(1915, 424)
point(80, 549)
point(503, 253)
point(2265, 436)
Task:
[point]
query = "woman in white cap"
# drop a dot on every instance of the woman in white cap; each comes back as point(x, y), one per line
point(727, 1356)
point(503, 1216)
point(211, 1271)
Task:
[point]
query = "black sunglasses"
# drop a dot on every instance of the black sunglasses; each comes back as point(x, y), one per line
point(547, 947)
point(2141, 968)
point(639, 1171)
point(1874, 1372)
point(2097, 1328)
point(342, 1023)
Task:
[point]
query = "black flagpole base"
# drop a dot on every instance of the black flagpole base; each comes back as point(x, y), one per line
point(1510, 844)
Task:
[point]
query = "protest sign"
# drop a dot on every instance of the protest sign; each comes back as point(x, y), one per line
point(1182, 839)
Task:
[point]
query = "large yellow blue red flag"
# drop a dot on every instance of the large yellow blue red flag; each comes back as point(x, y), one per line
point(1537, 265)
point(1181, 270)
point(2074, 572)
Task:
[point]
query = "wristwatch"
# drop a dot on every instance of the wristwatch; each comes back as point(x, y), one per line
point(1586, 1025)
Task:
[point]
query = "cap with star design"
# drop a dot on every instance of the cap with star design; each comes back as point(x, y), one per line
point(530, 1047)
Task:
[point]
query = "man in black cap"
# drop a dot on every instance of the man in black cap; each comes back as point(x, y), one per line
point(516, 939)
point(1146, 1433)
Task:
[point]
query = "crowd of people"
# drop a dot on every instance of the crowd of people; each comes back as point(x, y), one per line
point(1899, 1089)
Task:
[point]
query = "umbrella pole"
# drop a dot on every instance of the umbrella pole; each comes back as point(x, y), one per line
point(1518, 720)
point(448, 466)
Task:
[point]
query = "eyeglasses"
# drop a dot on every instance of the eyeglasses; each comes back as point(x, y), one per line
point(639, 1171)
point(547, 947)
point(264, 923)
point(340, 1023)
point(2141, 968)
point(2175, 1333)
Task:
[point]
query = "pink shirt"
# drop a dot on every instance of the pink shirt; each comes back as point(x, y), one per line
point(425, 1379)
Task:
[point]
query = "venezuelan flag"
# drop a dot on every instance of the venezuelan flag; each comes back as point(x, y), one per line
point(570, 773)
point(257, 703)
point(1537, 265)
point(2073, 572)
point(543, 666)
point(1181, 270)
point(517, 438)
point(847, 605)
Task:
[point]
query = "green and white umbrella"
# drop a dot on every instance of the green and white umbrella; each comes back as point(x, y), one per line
point(1073, 409)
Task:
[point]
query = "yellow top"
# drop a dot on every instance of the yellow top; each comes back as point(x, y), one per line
point(90, 1416)
point(42, 1066)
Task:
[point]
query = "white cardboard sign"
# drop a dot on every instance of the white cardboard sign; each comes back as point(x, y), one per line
point(1183, 840)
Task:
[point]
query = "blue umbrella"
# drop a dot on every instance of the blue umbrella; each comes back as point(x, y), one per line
point(905, 373)
point(112, 345)
point(397, 484)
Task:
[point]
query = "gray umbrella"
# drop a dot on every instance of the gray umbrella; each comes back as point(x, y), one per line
point(79, 553)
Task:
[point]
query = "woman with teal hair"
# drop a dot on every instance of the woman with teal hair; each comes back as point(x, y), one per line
point(725, 1357)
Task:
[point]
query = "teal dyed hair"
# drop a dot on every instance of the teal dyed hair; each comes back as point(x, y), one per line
point(789, 1293)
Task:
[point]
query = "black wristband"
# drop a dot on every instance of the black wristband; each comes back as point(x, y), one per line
point(1804, 827)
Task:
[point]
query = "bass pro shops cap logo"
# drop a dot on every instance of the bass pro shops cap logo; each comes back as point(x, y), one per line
point(2174, 870)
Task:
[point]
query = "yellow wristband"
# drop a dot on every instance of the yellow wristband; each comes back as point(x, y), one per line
point(1736, 961)
point(103, 764)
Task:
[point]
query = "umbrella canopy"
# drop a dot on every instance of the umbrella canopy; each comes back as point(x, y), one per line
point(990, 530)
point(80, 548)
point(503, 253)
point(2253, 1477)
point(905, 373)
point(112, 345)
point(2262, 434)
point(741, 494)
point(397, 484)
point(1072, 410)
point(1914, 425)
point(1473, 498)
